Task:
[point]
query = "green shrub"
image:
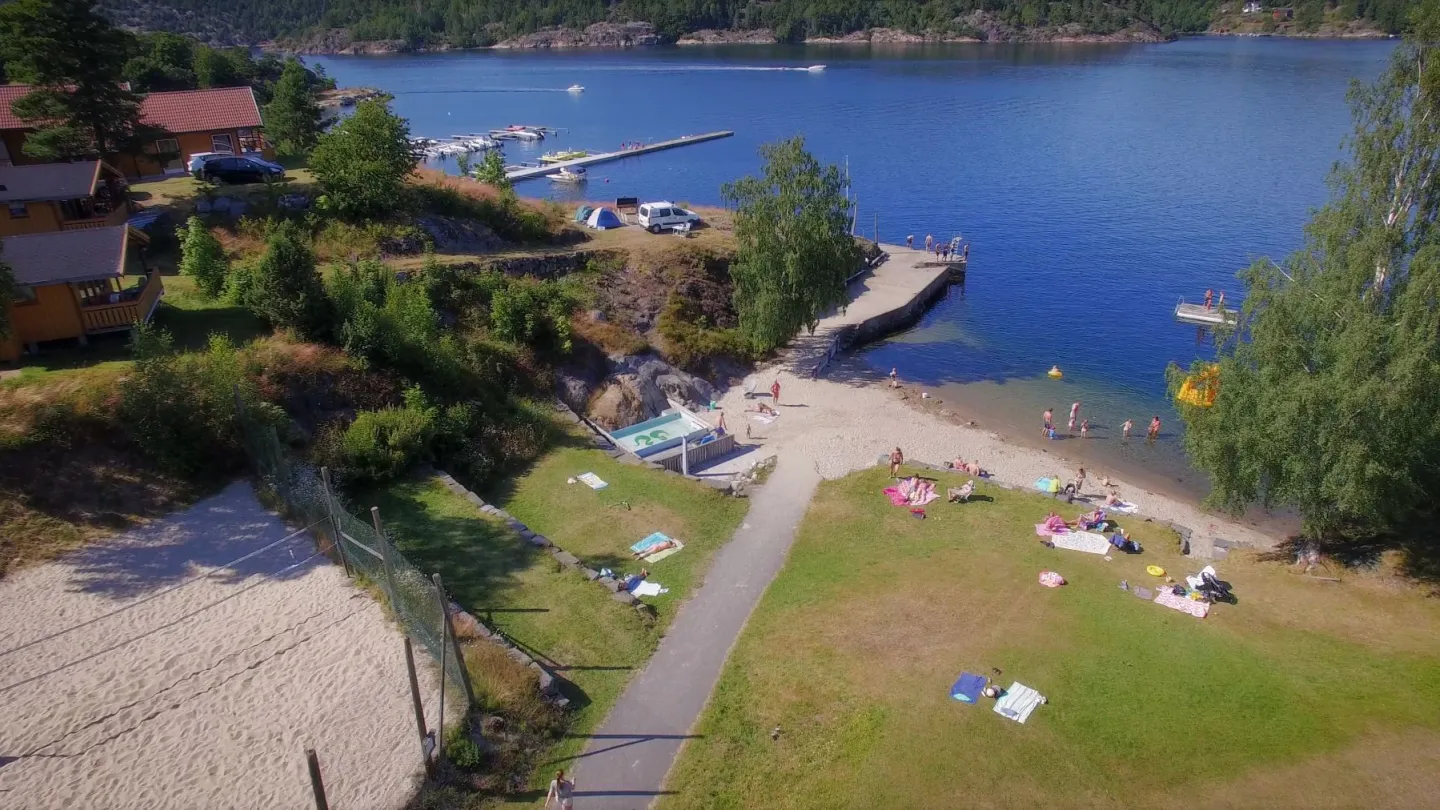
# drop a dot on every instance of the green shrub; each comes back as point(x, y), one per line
point(362, 163)
point(284, 288)
point(202, 258)
point(691, 343)
point(505, 214)
point(535, 313)
point(464, 753)
point(180, 409)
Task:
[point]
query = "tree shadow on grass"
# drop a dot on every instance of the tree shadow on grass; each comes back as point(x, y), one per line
point(1420, 555)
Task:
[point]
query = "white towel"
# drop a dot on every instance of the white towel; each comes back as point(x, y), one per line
point(1082, 541)
point(592, 480)
point(1123, 507)
point(648, 588)
point(1019, 701)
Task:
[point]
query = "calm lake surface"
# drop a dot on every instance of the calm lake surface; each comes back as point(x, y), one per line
point(1096, 183)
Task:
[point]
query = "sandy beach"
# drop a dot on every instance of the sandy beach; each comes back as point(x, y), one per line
point(130, 682)
point(840, 427)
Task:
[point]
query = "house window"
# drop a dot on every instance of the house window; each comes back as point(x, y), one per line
point(18, 210)
point(24, 295)
point(221, 143)
point(167, 146)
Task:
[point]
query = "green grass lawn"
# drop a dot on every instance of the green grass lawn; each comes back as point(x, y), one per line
point(1303, 694)
point(599, 526)
point(191, 318)
point(589, 639)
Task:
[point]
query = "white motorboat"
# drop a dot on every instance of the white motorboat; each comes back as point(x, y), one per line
point(815, 69)
point(569, 174)
point(575, 88)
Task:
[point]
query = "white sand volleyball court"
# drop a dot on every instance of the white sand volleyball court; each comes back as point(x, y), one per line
point(127, 681)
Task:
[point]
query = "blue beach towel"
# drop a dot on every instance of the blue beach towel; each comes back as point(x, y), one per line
point(653, 540)
point(967, 688)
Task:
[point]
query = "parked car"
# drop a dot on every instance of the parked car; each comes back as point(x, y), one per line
point(658, 216)
point(238, 169)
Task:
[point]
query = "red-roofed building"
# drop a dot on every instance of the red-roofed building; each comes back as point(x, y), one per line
point(220, 119)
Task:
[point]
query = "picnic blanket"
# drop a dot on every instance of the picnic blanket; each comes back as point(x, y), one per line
point(591, 480)
point(1048, 484)
point(1018, 702)
point(763, 419)
point(1123, 507)
point(911, 492)
point(1082, 541)
point(966, 688)
point(653, 539)
point(1183, 604)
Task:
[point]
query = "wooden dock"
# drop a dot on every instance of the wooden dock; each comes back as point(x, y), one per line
point(1198, 314)
point(530, 173)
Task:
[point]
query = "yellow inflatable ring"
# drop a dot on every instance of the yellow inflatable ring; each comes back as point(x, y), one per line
point(1155, 570)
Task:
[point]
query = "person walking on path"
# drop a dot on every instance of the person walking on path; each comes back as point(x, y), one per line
point(910, 241)
point(1155, 425)
point(929, 243)
point(896, 459)
point(562, 792)
point(1209, 299)
point(1125, 428)
point(1049, 418)
point(775, 391)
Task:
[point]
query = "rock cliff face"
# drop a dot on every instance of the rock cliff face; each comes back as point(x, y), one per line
point(636, 387)
point(599, 35)
point(339, 41)
point(711, 36)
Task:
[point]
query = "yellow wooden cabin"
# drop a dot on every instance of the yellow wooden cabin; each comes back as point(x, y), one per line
point(49, 197)
point(70, 284)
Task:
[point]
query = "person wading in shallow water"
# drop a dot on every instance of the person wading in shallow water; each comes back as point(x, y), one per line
point(1126, 428)
point(1154, 429)
point(1049, 419)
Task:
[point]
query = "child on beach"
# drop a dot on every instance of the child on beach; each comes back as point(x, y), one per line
point(894, 378)
point(1125, 428)
point(1084, 428)
point(1049, 418)
point(910, 241)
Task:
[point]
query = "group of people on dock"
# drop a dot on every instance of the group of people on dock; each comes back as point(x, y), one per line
point(1210, 299)
point(1048, 424)
point(944, 251)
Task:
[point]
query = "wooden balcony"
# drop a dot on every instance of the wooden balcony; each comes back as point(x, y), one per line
point(127, 311)
point(116, 217)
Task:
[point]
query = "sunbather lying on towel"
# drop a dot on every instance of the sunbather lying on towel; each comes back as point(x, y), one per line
point(1122, 541)
point(1055, 524)
point(1112, 498)
point(655, 549)
point(763, 408)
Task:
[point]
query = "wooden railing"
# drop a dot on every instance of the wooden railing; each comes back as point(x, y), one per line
point(125, 314)
point(116, 217)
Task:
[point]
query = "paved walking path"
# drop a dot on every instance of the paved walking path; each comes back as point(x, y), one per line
point(625, 763)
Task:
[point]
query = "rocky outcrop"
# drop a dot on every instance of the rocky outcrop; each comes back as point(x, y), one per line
point(459, 235)
point(713, 36)
point(889, 36)
point(638, 387)
point(991, 28)
point(599, 35)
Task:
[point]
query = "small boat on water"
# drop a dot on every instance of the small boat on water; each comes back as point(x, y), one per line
point(575, 88)
point(815, 69)
point(562, 156)
point(569, 174)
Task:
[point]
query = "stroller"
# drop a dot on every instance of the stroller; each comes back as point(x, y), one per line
point(1209, 585)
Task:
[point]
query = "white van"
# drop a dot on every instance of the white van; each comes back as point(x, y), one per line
point(657, 216)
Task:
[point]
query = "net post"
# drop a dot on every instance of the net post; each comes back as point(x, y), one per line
point(334, 522)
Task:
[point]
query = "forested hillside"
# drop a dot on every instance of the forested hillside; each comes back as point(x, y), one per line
point(482, 22)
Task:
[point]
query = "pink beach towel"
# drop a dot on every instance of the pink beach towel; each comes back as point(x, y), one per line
point(1044, 532)
point(896, 496)
point(1183, 604)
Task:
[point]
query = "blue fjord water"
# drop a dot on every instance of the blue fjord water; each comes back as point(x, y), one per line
point(1096, 183)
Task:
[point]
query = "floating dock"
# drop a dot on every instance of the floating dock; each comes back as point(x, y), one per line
point(530, 173)
point(1198, 314)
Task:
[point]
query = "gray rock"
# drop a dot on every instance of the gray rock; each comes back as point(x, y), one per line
point(548, 686)
point(561, 703)
point(624, 597)
point(609, 583)
point(590, 574)
point(526, 534)
point(567, 559)
point(542, 541)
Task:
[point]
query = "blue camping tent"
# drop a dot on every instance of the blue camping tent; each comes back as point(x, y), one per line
point(602, 219)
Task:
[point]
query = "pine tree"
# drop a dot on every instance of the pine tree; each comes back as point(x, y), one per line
point(74, 59)
point(292, 118)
